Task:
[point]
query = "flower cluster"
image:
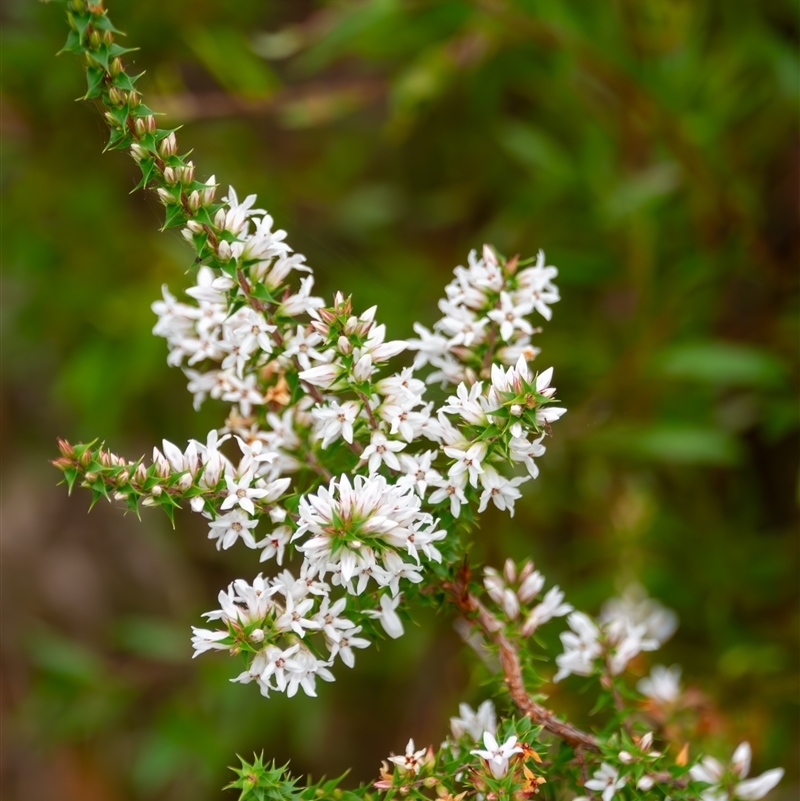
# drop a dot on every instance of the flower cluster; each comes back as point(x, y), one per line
point(338, 463)
point(486, 315)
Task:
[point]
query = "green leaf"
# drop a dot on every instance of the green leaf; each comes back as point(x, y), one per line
point(126, 82)
point(722, 364)
point(147, 167)
point(72, 45)
point(175, 216)
point(94, 82)
point(103, 23)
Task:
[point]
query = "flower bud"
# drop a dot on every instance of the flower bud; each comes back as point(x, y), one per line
point(362, 369)
point(138, 152)
point(169, 176)
point(140, 474)
point(156, 491)
point(115, 97)
point(139, 127)
point(510, 571)
point(344, 345)
point(515, 409)
point(185, 481)
point(207, 194)
point(86, 458)
point(186, 173)
point(150, 123)
point(94, 40)
point(168, 146)
point(194, 200)
point(165, 195)
point(78, 5)
point(115, 67)
point(626, 757)
point(257, 635)
point(197, 503)
point(108, 37)
point(65, 448)
point(645, 783)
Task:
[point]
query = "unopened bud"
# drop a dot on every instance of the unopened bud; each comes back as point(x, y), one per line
point(169, 176)
point(194, 226)
point(344, 345)
point(140, 474)
point(123, 477)
point(120, 496)
point(94, 40)
point(165, 195)
point(115, 97)
point(168, 146)
point(78, 5)
point(186, 173)
point(140, 127)
point(626, 757)
point(515, 409)
point(108, 37)
point(257, 635)
point(207, 194)
point(510, 571)
point(86, 458)
point(115, 67)
point(133, 98)
point(138, 152)
point(65, 448)
point(150, 123)
point(194, 200)
point(156, 490)
point(197, 503)
point(91, 476)
point(185, 481)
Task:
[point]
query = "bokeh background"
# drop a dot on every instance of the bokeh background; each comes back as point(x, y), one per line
point(649, 146)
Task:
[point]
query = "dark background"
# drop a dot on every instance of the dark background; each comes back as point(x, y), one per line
point(649, 146)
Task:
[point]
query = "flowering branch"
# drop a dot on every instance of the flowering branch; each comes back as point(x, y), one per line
point(364, 484)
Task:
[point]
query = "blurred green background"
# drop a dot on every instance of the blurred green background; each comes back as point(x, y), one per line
point(649, 146)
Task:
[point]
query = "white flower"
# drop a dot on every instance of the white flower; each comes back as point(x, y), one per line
point(411, 762)
point(711, 771)
point(453, 488)
point(581, 647)
point(207, 640)
point(510, 316)
point(275, 544)
point(387, 615)
point(474, 723)
point(322, 376)
point(382, 451)
point(624, 641)
point(240, 493)
point(329, 621)
point(418, 471)
point(663, 685)
point(500, 490)
point(336, 421)
point(226, 529)
point(497, 756)
point(343, 646)
point(467, 461)
point(552, 605)
point(606, 779)
point(660, 623)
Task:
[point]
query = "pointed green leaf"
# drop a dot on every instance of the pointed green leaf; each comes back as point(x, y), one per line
point(94, 81)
